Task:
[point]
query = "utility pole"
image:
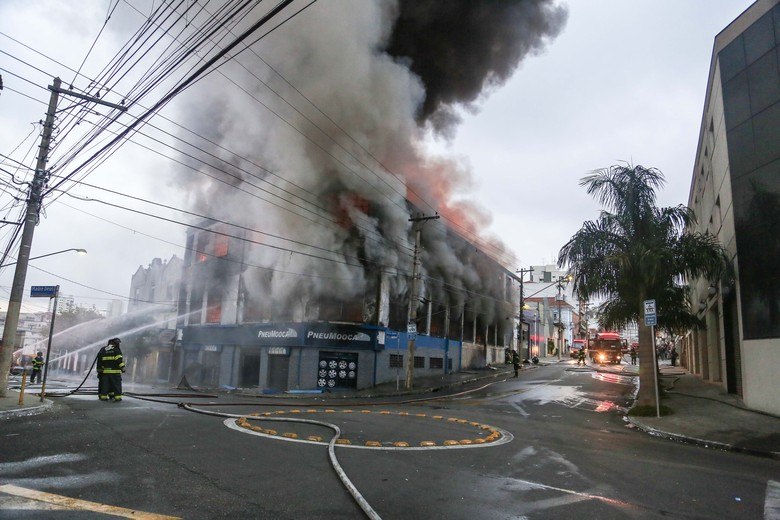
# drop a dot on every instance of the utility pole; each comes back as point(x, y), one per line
point(560, 316)
point(34, 202)
point(522, 316)
point(411, 326)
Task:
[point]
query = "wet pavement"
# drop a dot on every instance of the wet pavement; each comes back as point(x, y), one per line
point(704, 413)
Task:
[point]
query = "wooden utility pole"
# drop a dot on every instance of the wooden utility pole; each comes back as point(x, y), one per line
point(411, 326)
point(34, 202)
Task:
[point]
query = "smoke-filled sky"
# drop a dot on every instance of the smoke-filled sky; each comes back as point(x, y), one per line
point(489, 112)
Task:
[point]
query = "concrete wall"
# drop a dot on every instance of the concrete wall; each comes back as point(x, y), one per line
point(760, 390)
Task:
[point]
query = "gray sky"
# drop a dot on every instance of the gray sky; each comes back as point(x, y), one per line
point(624, 81)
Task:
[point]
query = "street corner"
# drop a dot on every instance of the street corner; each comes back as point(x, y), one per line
point(10, 407)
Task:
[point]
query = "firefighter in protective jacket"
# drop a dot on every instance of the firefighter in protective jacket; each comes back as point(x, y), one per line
point(37, 366)
point(110, 366)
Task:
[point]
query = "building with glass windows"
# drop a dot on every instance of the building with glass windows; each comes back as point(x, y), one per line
point(735, 194)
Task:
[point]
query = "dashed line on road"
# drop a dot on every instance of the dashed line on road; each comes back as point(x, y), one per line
point(75, 504)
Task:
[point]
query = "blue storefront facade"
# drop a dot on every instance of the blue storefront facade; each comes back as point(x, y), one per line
point(272, 357)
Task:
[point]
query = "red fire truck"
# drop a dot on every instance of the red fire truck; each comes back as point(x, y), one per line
point(606, 347)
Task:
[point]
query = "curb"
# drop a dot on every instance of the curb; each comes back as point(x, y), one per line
point(27, 411)
point(701, 442)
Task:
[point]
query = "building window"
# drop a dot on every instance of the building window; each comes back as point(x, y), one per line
point(213, 307)
point(221, 243)
point(436, 362)
point(214, 313)
point(419, 361)
point(396, 360)
point(201, 254)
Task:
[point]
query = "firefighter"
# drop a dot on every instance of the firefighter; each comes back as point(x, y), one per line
point(516, 362)
point(110, 367)
point(37, 366)
point(581, 357)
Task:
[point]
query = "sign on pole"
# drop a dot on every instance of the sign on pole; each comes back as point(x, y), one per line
point(411, 330)
point(43, 291)
point(651, 319)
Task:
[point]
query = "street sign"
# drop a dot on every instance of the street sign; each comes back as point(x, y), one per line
point(651, 320)
point(43, 291)
point(392, 334)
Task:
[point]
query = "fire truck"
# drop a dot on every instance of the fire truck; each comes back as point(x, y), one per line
point(606, 347)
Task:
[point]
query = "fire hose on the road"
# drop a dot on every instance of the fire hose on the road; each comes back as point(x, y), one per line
point(364, 505)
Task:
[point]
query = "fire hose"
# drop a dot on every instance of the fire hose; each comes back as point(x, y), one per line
point(353, 491)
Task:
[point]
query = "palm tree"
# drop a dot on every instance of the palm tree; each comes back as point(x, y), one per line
point(636, 251)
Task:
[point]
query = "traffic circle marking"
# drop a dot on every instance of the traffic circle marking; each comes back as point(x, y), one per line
point(495, 436)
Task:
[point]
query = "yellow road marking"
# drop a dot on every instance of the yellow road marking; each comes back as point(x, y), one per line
point(82, 505)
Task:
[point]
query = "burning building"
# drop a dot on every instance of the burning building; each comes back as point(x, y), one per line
point(314, 166)
point(235, 334)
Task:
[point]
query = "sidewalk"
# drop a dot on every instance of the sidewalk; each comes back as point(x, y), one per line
point(704, 413)
point(10, 407)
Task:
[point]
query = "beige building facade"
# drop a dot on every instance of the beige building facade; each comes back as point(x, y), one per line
point(735, 194)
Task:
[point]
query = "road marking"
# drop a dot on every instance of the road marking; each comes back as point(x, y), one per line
point(519, 409)
point(50, 499)
point(503, 437)
point(772, 502)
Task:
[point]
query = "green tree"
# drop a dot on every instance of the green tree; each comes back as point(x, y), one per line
point(636, 251)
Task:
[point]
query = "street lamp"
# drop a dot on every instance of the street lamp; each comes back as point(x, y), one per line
point(80, 251)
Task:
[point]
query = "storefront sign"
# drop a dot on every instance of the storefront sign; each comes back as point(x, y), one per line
point(278, 351)
point(338, 335)
point(277, 333)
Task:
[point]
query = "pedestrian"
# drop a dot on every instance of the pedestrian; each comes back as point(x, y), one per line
point(673, 355)
point(581, 357)
point(110, 367)
point(633, 354)
point(516, 363)
point(37, 366)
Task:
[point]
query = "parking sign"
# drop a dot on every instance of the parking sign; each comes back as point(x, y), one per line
point(651, 319)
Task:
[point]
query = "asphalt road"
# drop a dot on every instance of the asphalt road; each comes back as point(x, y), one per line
point(560, 450)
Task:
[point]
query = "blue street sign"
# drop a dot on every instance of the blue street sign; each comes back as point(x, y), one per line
point(43, 291)
point(651, 321)
point(392, 334)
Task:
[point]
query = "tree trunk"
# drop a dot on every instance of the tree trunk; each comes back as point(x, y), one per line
point(646, 394)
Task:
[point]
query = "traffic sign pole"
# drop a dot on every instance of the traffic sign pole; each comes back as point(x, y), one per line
point(651, 320)
point(48, 346)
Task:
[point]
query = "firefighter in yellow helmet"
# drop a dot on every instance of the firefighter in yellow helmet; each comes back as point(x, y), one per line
point(110, 366)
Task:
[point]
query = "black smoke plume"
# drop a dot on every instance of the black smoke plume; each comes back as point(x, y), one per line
point(461, 48)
